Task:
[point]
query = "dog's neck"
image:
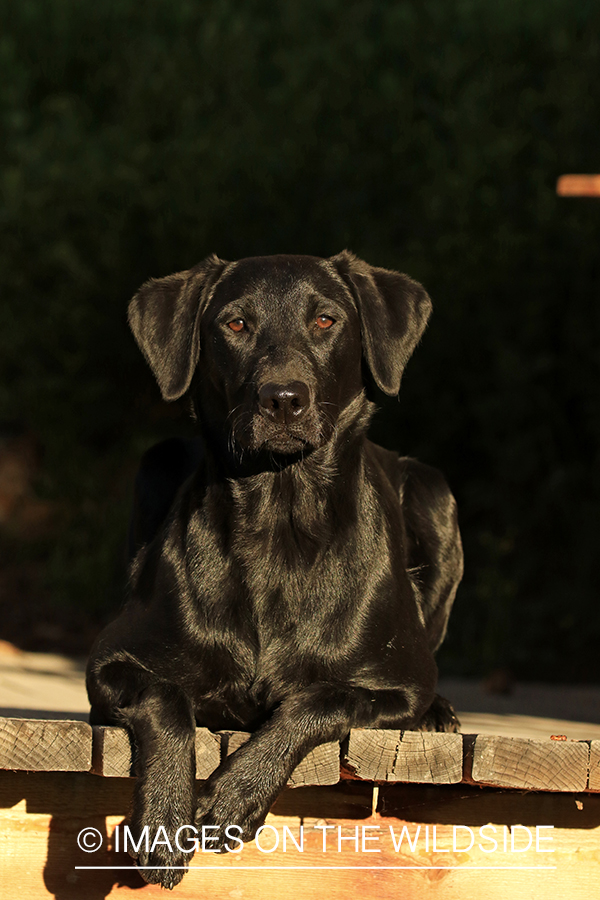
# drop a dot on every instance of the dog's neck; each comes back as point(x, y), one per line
point(306, 497)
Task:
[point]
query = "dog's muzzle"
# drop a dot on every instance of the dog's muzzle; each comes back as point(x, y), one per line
point(286, 418)
point(284, 404)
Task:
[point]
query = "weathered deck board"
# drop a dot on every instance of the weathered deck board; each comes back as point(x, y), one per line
point(533, 765)
point(412, 756)
point(594, 779)
point(45, 746)
point(112, 756)
point(320, 767)
point(369, 755)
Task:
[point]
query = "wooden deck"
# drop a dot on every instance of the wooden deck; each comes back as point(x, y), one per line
point(454, 796)
point(388, 814)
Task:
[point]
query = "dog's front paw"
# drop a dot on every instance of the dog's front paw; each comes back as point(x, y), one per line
point(234, 812)
point(160, 865)
point(158, 841)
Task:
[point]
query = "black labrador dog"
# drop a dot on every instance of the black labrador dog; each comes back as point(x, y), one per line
point(298, 583)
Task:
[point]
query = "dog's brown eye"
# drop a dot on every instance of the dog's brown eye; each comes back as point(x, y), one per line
point(325, 321)
point(237, 325)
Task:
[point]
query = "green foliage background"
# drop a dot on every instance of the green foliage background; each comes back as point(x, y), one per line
point(425, 136)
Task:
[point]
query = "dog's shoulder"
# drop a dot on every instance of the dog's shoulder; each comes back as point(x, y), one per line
point(408, 476)
point(385, 461)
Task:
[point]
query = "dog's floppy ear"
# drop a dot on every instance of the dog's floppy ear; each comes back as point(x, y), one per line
point(393, 311)
point(165, 318)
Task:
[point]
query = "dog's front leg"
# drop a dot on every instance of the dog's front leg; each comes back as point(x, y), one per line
point(239, 794)
point(163, 730)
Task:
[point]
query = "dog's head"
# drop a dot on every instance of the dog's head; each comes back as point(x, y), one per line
point(272, 348)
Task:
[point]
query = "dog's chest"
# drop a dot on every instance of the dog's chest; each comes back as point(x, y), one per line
point(308, 571)
point(301, 573)
point(291, 541)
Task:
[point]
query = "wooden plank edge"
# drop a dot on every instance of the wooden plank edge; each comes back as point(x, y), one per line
point(527, 764)
point(578, 186)
point(45, 745)
point(112, 756)
point(593, 784)
point(91, 758)
point(112, 753)
point(409, 757)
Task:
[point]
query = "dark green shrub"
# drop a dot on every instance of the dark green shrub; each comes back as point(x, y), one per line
point(425, 136)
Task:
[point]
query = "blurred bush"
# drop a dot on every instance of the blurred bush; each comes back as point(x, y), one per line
point(426, 136)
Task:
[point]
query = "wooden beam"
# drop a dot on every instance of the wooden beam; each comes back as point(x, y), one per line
point(534, 765)
point(413, 756)
point(369, 754)
point(112, 756)
point(39, 745)
point(42, 814)
point(578, 186)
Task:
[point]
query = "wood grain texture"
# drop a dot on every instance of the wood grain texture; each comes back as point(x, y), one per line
point(320, 767)
point(534, 765)
point(45, 745)
point(112, 754)
point(208, 752)
point(594, 776)
point(371, 755)
point(413, 756)
point(233, 740)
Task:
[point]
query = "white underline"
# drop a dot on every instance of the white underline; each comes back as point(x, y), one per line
point(283, 868)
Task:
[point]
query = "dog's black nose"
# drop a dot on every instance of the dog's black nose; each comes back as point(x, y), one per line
point(284, 403)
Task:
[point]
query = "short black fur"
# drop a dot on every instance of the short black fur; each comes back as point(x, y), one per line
point(288, 576)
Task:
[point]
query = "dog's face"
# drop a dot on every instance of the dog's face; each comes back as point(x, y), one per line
point(281, 352)
point(273, 348)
